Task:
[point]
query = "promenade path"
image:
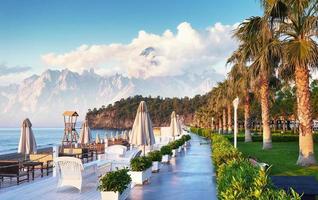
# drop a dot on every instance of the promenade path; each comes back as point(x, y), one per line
point(189, 176)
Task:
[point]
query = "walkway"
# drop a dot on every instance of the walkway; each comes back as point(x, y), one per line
point(189, 176)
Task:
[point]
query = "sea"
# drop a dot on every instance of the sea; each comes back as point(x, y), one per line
point(45, 137)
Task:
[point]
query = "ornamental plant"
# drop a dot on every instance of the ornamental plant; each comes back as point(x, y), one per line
point(180, 142)
point(166, 150)
point(140, 163)
point(114, 181)
point(173, 145)
point(155, 156)
point(186, 137)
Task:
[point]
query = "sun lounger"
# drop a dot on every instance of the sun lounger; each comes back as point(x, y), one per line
point(46, 159)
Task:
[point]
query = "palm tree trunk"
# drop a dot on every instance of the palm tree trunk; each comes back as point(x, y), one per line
point(220, 125)
point(247, 122)
point(229, 118)
point(224, 121)
point(306, 145)
point(264, 91)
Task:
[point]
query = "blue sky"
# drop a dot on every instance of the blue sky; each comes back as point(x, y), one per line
point(32, 28)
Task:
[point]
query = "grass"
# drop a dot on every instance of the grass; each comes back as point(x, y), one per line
point(282, 157)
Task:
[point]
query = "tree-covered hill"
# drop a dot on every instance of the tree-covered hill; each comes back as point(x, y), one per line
point(122, 113)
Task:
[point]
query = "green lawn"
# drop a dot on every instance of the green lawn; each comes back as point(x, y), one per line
point(282, 157)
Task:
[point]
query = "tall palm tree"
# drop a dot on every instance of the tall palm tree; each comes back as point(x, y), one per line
point(259, 44)
point(229, 96)
point(298, 28)
point(241, 80)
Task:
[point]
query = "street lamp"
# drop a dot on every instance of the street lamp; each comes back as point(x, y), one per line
point(235, 105)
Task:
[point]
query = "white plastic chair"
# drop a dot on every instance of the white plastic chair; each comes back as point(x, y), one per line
point(69, 172)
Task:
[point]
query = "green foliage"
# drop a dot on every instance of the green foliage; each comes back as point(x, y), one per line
point(173, 144)
point(155, 156)
point(114, 181)
point(237, 178)
point(180, 142)
point(140, 163)
point(166, 150)
point(159, 109)
point(223, 151)
point(186, 137)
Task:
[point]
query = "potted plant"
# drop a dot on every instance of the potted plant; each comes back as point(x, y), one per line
point(166, 152)
point(180, 142)
point(186, 139)
point(115, 185)
point(174, 146)
point(140, 169)
point(155, 157)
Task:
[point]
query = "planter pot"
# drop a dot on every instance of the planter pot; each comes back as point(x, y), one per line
point(165, 158)
point(155, 166)
point(110, 195)
point(174, 152)
point(179, 149)
point(140, 177)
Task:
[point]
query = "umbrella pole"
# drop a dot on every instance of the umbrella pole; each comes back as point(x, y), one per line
point(144, 150)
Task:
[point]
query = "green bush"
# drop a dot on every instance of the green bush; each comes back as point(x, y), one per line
point(180, 142)
point(186, 137)
point(155, 156)
point(223, 151)
point(237, 178)
point(166, 150)
point(114, 181)
point(174, 144)
point(140, 163)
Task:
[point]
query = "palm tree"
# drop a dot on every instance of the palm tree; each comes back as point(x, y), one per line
point(298, 29)
point(241, 80)
point(259, 46)
point(229, 96)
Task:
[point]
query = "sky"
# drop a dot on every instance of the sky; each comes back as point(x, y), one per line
point(109, 35)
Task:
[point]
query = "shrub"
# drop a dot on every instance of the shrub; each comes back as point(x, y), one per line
point(237, 178)
point(173, 145)
point(186, 137)
point(223, 151)
point(155, 156)
point(166, 150)
point(114, 181)
point(140, 163)
point(180, 142)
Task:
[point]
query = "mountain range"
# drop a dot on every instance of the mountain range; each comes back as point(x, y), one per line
point(43, 98)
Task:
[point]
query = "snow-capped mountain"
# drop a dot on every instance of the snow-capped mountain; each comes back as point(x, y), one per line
point(43, 98)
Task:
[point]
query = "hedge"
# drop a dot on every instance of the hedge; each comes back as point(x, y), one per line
point(236, 177)
point(276, 137)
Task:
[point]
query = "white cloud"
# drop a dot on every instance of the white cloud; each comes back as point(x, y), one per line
point(188, 50)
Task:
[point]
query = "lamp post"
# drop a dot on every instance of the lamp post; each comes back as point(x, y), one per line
point(212, 125)
point(235, 105)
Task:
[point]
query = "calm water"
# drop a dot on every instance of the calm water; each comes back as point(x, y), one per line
point(9, 137)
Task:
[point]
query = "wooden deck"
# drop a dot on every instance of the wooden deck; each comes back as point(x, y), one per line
point(47, 189)
point(189, 176)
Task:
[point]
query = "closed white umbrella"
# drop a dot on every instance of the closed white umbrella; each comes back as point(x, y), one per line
point(85, 136)
point(27, 142)
point(179, 123)
point(142, 131)
point(97, 140)
point(174, 125)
